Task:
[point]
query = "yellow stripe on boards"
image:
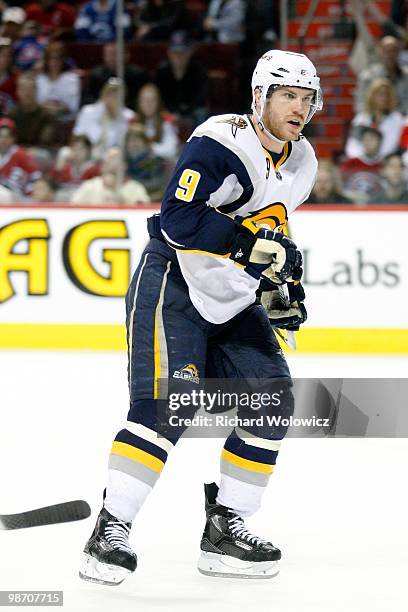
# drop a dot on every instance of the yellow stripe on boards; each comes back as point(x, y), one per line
point(246, 464)
point(352, 341)
point(126, 450)
point(57, 336)
point(50, 336)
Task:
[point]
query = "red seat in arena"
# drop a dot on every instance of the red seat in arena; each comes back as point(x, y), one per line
point(149, 55)
point(221, 60)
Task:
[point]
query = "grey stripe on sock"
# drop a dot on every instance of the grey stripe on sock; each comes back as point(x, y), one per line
point(133, 468)
point(261, 480)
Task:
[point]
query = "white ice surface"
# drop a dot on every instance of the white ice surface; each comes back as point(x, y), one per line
point(337, 507)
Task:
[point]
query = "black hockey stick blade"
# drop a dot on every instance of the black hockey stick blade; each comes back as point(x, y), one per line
point(49, 515)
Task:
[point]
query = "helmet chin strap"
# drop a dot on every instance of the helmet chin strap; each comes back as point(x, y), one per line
point(262, 127)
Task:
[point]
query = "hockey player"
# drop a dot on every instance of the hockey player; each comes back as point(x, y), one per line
point(192, 308)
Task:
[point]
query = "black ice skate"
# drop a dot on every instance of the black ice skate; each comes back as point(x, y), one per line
point(108, 556)
point(228, 549)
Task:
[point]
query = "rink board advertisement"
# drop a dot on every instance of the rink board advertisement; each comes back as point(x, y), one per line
point(64, 273)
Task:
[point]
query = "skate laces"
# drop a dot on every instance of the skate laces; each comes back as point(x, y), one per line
point(117, 534)
point(238, 529)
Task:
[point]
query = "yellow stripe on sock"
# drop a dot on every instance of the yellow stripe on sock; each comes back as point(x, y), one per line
point(246, 464)
point(126, 450)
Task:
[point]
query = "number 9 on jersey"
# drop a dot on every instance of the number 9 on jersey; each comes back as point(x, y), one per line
point(187, 185)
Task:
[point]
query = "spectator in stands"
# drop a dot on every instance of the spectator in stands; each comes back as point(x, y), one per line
point(159, 18)
point(366, 51)
point(224, 21)
point(379, 112)
point(58, 87)
point(387, 68)
point(182, 81)
point(43, 158)
point(105, 189)
point(260, 21)
point(101, 121)
point(6, 196)
point(28, 50)
point(361, 174)
point(74, 165)
point(35, 126)
point(96, 22)
point(134, 76)
point(399, 13)
point(394, 183)
point(12, 21)
point(328, 188)
point(54, 18)
point(142, 164)
point(18, 170)
point(159, 125)
point(8, 77)
point(44, 191)
point(404, 142)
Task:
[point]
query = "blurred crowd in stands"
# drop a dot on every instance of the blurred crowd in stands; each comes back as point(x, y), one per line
point(373, 168)
point(65, 137)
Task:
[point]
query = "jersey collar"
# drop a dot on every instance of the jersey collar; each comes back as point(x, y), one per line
point(276, 159)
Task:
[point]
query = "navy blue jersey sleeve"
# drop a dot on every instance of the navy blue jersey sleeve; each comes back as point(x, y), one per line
point(209, 178)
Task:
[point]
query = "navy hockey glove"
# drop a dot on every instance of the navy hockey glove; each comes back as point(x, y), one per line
point(280, 314)
point(268, 254)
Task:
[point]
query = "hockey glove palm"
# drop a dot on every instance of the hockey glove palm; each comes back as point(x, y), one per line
point(268, 254)
point(279, 314)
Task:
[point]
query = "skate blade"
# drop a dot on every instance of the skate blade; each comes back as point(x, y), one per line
point(102, 573)
point(224, 566)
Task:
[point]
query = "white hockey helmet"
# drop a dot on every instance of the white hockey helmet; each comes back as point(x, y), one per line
point(277, 68)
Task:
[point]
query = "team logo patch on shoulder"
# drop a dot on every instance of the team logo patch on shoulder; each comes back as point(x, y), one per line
point(236, 123)
point(188, 372)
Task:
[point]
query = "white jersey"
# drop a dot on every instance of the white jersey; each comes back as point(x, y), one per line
point(225, 169)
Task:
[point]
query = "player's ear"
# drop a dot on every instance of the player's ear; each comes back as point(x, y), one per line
point(257, 97)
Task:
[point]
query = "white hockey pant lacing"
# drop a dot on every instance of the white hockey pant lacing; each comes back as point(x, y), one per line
point(238, 529)
point(117, 534)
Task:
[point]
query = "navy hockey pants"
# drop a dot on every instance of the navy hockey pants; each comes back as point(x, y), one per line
point(168, 338)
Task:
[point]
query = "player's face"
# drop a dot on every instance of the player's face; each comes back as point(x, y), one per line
point(286, 111)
